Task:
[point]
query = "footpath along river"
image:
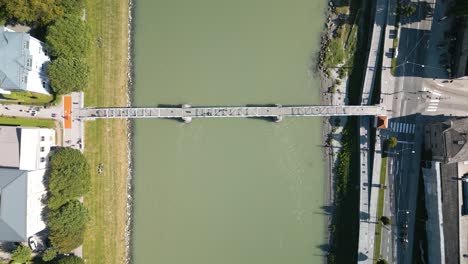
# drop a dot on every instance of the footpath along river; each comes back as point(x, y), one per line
point(228, 190)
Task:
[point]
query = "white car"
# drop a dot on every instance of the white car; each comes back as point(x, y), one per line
point(32, 243)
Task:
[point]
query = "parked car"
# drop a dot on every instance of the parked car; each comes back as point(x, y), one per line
point(33, 113)
point(32, 243)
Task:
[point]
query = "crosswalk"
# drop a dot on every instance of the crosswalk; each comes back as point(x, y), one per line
point(434, 100)
point(402, 127)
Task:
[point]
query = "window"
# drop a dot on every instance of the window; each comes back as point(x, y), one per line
point(42, 159)
point(42, 149)
point(42, 138)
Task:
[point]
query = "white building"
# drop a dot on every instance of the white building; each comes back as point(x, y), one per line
point(23, 158)
point(23, 62)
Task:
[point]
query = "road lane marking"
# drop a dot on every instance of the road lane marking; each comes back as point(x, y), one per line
point(431, 110)
point(436, 93)
point(435, 100)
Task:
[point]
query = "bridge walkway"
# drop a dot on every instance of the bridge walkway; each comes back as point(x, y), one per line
point(212, 112)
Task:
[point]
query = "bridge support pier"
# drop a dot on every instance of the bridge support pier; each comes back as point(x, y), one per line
point(187, 119)
point(278, 119)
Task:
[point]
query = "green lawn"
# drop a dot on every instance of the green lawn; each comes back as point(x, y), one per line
point(106, 139)
point(29, 98)
point(27, 122)
point(380, 207)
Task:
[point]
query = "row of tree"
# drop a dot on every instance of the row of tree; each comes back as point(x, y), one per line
point(67, 36)
point(69, 179)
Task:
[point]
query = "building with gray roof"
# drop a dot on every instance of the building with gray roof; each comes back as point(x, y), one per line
point(22, 191)
point(23, 60)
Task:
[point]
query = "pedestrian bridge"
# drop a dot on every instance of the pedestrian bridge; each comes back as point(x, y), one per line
point(187, 112)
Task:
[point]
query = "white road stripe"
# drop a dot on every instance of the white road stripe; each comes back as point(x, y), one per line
point(433, 104)
point(413, 126)
point(432, 107)
point(405, 128)
point(436, 93)
point(398, 127)
point(435, 100)
point(431, 110)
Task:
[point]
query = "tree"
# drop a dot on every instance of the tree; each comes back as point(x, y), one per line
point(68, 75)
point(22, 254)
point(69, 176)
point(72, 7)
point(392, 142)
point(406, 9)
point(385, 220)
point(460, 8)
point(42, 12)
point(67, 226)
point(49, 255)
point(70, 260)
point(69, 37)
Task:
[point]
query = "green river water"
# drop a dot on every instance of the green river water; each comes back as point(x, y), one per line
point(222, 191)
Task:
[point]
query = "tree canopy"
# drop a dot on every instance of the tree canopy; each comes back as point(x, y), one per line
point(22, 254)
point(26, 11)
point(69, 176)
point(460, 8)
point(42, 12)
point(68, 75)
point(67, 226)
point(392, 142)
point(70, 260)
point(407, 9)
point(69, 37)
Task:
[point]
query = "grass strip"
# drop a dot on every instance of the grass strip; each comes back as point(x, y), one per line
point(380, 207)
point(29, 97)
point(27, 122)
point(106, 140)
point(394, 59)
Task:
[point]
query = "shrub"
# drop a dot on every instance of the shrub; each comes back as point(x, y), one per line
point(69, 176)
point(22, 254)
point(67, 226)
point(49, 254)
point(39, 11)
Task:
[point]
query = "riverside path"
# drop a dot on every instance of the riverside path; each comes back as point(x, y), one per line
point(187, 112)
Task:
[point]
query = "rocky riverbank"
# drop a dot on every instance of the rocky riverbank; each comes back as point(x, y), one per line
point(333, 92)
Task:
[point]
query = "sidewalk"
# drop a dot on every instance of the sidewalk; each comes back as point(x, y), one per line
point(367, 210)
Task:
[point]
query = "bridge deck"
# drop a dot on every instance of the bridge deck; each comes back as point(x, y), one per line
point(204, 112)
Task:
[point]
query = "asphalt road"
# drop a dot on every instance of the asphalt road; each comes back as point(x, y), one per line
point(417, 89)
